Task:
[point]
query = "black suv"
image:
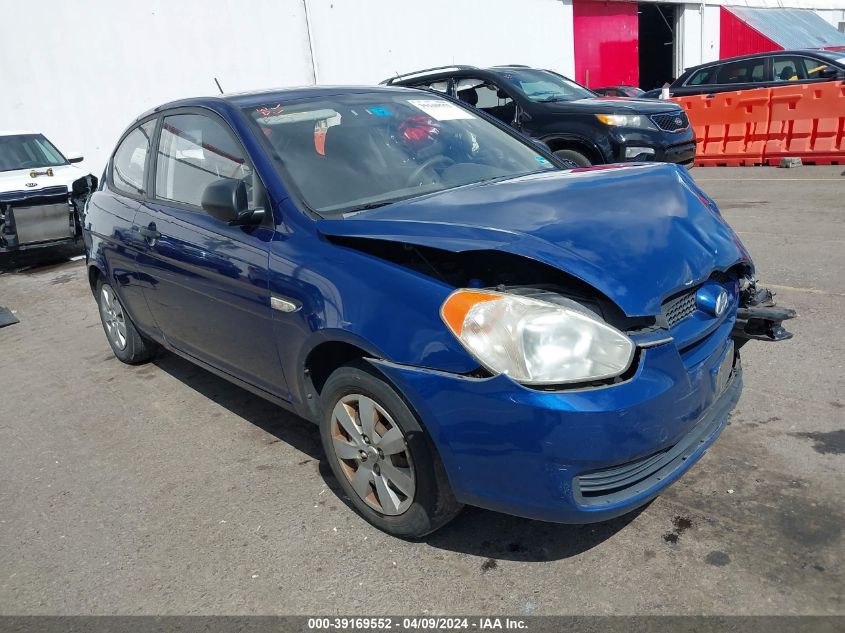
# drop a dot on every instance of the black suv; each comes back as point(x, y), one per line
point(761, 70)
point(578, 126)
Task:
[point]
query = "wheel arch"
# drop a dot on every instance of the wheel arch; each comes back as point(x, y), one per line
point(330, 351)
point(94, 275)
point(578, 144)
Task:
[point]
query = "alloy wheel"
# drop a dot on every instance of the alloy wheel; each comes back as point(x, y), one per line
point(113, 317)
point(373, 454)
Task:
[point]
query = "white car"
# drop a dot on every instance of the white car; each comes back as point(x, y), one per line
point(41, 193)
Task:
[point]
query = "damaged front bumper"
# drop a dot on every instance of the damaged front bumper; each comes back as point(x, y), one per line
point(45, 218)
point(575, 456)
point(758, 318)
point(591, 454)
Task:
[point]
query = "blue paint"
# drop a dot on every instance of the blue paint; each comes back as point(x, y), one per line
point(637, 234)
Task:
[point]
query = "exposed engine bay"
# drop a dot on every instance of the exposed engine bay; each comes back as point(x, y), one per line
point(47, 217)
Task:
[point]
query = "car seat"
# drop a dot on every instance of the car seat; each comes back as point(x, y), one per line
point(470, 96)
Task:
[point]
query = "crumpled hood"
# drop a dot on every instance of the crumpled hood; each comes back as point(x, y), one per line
point(21, 180)
point(637, 233)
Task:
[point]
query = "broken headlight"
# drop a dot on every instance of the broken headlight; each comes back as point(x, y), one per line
point(536, 342)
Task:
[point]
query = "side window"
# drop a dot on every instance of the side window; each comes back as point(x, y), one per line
point(743, 71)
point(795, 68)
point(194, 150)
point(814, 68)
point(703, 77)
point(128, 166)
point(488, 97)
point(788, 68)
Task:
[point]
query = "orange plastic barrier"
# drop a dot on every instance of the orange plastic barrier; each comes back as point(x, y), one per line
point(761, 126)
point(730, 127)
point(807, 121)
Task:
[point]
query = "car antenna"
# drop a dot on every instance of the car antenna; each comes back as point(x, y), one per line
point(218, 85)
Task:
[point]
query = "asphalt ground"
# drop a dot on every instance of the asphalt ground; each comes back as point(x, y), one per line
point(162, 489)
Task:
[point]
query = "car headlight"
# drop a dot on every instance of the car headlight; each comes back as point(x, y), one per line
point(627, 120)
point(534, 341)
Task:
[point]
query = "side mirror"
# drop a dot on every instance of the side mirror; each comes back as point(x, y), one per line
point(832, 73)
point(74, 157)
point(226, 200)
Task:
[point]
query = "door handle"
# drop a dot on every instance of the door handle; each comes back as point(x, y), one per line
point(709, 96)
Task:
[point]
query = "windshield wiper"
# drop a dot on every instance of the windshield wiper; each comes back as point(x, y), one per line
point(550, 99)
point(368, 206)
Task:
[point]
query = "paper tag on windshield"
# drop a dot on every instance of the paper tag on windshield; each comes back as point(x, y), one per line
point(440, 110)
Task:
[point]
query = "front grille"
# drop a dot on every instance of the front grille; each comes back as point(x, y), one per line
point(672, 121)
point(677, 309)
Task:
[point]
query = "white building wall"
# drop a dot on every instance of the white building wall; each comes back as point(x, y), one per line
point(699, 29)
point(357, 42)
point(85, 72)
point(82, 73)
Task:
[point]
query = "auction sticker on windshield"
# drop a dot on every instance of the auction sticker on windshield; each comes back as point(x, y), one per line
point(440, 110)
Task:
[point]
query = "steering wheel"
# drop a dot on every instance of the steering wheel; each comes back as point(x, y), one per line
point(428, 164)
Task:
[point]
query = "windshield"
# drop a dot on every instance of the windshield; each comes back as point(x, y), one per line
point(351, 152)
point(545, 86)
point(28, 151)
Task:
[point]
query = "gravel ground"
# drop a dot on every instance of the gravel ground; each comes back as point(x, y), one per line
point(163, 489)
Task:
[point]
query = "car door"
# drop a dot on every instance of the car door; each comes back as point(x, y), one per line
point(207, 281)
point(486, 95)
point(791, 69)
point(110, 216)
point(743, 74)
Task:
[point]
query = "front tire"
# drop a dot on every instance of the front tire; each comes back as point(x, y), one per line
point(384, 460)
point(572, 158)
point(126, 342)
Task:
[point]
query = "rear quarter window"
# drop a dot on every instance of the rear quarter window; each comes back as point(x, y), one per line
point(703, 77)
point(129, 166)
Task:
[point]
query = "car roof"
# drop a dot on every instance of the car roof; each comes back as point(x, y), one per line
point(263, 97)
point(16, 132)
point(796, 51)
point(454, 69)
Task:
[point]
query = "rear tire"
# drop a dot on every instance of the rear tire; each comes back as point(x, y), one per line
point(576, 159)
point(126, 342)
point(387, 466)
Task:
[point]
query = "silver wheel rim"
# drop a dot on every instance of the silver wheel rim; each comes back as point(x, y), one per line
point(373, 454)
point(112, 313)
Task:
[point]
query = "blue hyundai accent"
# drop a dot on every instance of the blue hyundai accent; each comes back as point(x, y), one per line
point(467, 321)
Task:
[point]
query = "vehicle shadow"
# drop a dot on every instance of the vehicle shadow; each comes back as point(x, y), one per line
point(475, 531)
point(287, 427)
point(503, 537)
